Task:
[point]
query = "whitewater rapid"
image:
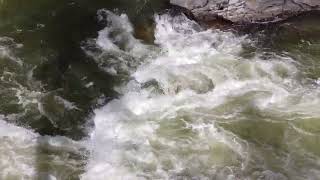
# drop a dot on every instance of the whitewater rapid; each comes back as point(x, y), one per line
point(191, 106)
point(194, 108)
point(25, 154)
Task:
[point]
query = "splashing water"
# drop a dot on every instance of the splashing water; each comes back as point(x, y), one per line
point(198, 110)
point(23, 154)
point(191, 107)
point(117, 44)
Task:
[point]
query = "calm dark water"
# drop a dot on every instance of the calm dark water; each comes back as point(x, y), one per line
point(51, 86)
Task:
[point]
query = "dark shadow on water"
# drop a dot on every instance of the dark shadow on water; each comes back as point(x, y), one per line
point(66, 74)
point(63, 75)
point(52, 33)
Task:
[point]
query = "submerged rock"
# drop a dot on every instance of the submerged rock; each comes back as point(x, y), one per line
point(247, 11)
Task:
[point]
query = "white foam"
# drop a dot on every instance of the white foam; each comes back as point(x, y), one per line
point(17, 152)
point(67, 104)
point(164, 125)
point(20, 155)
point(118, 51)
point(7, 44)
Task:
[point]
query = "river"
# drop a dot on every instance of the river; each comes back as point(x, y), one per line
point(100, 90)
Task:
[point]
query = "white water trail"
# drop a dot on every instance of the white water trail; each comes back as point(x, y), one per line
point(25, 154)
point(117, 44)
point(20, 153)
point(17, 155)
point(165, 124)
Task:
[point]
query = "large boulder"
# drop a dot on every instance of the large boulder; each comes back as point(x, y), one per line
point(247, 11)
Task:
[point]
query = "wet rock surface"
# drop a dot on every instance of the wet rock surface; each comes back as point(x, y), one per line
point(247, 11)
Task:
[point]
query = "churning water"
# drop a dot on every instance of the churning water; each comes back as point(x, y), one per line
point(195, 109)
point(191, 106)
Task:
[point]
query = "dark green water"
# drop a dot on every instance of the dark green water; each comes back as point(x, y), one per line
point(44, 76)
point(50, 85)
point(53, 63)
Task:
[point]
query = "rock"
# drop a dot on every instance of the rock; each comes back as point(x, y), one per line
point(247, 11)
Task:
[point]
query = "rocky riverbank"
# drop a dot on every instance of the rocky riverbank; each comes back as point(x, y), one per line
point(247, 11)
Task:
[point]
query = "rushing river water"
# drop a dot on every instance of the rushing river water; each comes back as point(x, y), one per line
point(108, 90)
